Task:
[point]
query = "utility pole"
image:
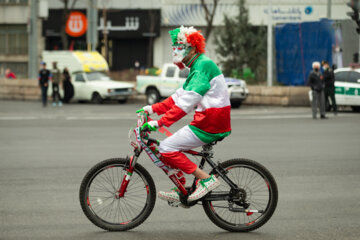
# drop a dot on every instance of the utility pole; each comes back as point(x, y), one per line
point(269, 45)
point(92, 16)
point(33, 40)
point(328, 15)
point(105, 33)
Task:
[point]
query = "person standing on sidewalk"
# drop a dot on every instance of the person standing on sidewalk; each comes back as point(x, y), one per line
point(329, 80)
point(56, 82)
point(44, 77)
point(67, 86)
point(317, 87)
point(9, 74)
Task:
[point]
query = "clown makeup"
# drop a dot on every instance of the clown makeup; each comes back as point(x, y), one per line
point(180, 51)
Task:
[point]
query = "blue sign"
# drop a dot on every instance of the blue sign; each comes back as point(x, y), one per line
point(308, 10)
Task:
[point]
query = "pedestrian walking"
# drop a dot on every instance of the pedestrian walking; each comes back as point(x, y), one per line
point(317, 86)
point(44, 77)
point(329, 80)
point(56, 82)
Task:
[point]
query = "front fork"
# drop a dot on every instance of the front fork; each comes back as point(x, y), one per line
point(126, 179)
point(129, 171)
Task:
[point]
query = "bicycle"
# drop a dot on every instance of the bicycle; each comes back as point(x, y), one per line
point(119, 194)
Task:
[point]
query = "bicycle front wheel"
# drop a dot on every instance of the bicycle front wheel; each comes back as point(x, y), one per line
point(257, 199)
point(100, 201)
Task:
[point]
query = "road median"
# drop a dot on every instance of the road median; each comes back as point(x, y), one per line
point(28, 89)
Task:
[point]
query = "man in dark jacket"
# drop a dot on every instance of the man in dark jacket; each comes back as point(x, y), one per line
point(317, 87)
point(329, 80)
point(44, 77)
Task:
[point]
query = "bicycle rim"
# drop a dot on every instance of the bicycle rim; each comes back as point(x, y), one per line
point(102, 190)
point(260, 194)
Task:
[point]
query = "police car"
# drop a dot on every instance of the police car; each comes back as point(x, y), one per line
point(347, 87)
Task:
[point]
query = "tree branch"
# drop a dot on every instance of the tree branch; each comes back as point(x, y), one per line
point(207, 13)
point(73, 5)
point(209, 17)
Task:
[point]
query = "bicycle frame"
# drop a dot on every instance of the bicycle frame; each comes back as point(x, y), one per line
point(147, 144)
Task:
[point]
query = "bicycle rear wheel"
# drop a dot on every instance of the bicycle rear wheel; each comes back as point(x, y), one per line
point(99, 195)
point(259, 195)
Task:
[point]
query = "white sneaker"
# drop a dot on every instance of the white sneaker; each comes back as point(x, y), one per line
point(203, 187)
point(172, 196)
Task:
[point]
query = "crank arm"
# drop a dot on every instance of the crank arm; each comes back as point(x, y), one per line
point(217, 197)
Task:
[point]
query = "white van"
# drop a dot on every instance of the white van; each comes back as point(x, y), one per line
point(88, 76)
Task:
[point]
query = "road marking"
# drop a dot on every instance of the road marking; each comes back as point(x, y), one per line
point(97, 118)
point(10, 118)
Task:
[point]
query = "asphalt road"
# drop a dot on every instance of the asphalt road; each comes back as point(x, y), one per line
point(44, 153)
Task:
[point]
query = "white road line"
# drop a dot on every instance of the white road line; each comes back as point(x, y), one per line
point(18, 118)
point(97, 118)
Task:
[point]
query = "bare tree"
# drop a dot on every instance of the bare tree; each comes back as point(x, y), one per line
point(152, 18)
point(66, 11)
point(209, 16)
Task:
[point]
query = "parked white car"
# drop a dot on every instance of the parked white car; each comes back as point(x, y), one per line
point(347, 87)
point(238, 91)
point(97, 87)
point(171, 78)
point(88, 76)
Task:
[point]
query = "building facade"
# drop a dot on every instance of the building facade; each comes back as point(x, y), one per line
point(14, 37)
point(137, 31)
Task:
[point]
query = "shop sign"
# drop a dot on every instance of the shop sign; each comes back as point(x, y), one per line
point(76, 25)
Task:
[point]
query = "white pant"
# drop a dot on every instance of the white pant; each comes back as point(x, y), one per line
point(183, 139)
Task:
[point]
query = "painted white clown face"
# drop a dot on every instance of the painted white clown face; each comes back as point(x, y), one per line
point(180, 51)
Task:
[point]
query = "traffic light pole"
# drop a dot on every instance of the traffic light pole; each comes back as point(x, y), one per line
point(355, 6)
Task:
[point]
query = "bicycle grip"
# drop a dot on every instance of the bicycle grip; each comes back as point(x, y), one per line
point(144, 129)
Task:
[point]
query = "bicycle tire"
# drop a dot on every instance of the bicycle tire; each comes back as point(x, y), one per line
point(223, 217)
point(105, 172)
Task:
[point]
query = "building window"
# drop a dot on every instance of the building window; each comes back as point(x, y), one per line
point(13, 39)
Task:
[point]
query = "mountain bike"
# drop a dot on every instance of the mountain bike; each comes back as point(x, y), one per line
point(119, 194)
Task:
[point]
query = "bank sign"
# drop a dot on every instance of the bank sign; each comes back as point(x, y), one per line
point(193, 14)
point(295, 13)
point(289, 14)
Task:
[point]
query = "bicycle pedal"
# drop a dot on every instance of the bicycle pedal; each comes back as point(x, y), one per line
point(183, 206)
point(174, 204)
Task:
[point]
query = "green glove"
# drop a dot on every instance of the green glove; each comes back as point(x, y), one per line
point(152, 126)
point(147, 108)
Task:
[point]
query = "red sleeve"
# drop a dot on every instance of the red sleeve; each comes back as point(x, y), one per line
point(171, 116)
point(164, 106)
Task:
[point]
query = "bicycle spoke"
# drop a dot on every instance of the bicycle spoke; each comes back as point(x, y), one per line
point(257, 196)
point(102, 196)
